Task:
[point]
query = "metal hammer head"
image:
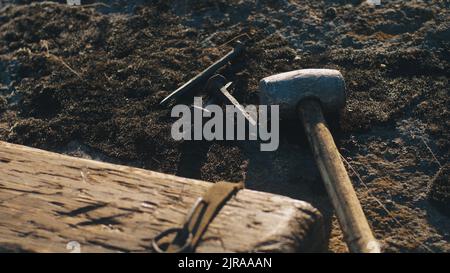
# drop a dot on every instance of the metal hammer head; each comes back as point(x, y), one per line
point(289, 88)
point(214, 83)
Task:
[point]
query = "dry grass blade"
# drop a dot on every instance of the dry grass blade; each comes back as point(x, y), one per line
point(378, 201)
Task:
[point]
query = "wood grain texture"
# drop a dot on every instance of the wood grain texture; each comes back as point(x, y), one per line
point(48, 200)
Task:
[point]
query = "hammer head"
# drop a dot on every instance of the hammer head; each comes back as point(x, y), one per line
point(214, 83)
point(289, 88)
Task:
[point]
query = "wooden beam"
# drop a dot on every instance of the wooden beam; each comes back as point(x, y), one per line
point(48, 200)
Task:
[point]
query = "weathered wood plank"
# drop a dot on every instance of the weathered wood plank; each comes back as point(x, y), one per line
point(48, 200)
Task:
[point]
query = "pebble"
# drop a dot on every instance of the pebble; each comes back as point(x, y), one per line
point(331, 12)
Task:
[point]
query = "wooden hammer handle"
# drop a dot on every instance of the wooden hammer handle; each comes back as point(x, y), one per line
point(356, 230)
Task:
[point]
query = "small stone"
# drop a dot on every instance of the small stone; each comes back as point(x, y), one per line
point(398, 141)
point(330, 13)
point(423, 105)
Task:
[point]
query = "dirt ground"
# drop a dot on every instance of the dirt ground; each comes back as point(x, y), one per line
point(87, 81)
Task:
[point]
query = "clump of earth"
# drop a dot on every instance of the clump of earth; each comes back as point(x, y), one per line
point(87, 81)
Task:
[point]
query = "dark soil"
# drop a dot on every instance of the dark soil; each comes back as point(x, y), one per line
point(87, 81)
point(439, 192)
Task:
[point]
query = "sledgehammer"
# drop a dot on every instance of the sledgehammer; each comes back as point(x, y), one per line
point(305, 93)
